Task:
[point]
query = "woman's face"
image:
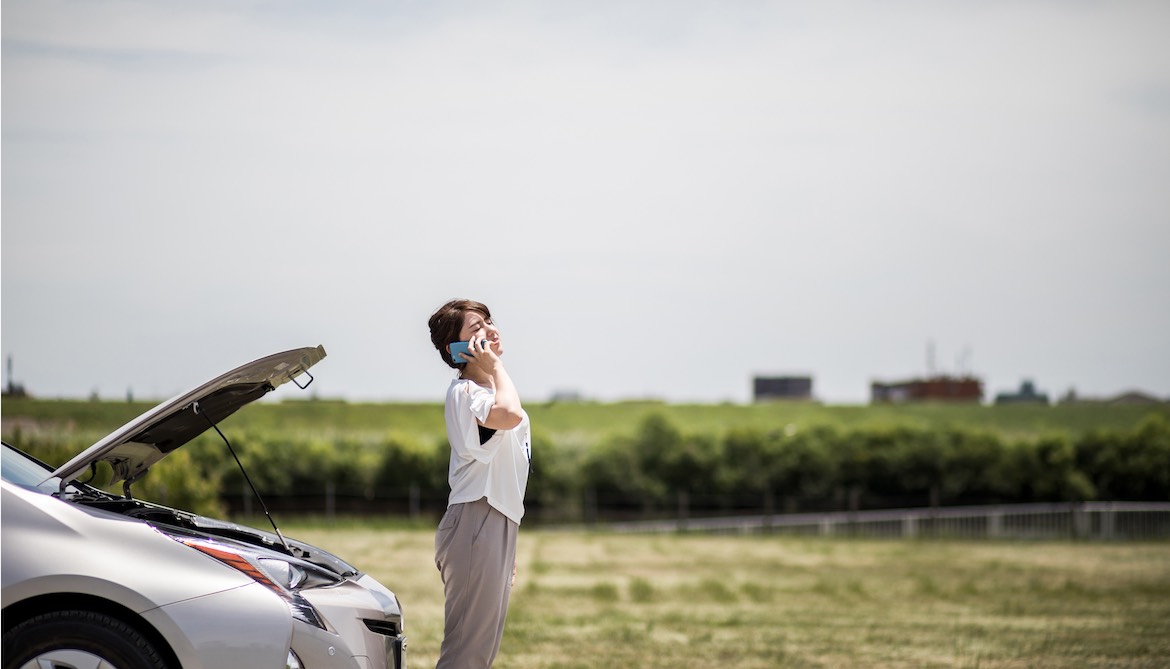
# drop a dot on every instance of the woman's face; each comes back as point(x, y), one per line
point(477, 326)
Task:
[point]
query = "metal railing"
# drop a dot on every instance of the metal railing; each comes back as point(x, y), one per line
point(1106, 521)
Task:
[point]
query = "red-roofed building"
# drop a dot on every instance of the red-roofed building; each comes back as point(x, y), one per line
point(933, 389)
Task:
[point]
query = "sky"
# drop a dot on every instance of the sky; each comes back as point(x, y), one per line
point(657, 200)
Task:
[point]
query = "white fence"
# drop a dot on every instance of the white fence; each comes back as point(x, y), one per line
point(1106, 521)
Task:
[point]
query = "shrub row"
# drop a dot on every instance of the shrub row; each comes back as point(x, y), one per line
point(659, 467)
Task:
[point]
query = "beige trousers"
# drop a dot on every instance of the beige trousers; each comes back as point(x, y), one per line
point(475, 551)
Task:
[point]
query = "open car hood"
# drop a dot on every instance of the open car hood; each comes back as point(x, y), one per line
point(137, 445)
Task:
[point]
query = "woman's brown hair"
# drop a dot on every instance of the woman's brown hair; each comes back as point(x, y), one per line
point(447, 322)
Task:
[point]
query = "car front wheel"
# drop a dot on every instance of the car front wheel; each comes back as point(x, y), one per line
point(78, 640)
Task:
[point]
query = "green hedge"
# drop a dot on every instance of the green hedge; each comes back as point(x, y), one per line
point(821, 467)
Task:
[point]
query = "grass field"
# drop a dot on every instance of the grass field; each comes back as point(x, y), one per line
point(585, 600)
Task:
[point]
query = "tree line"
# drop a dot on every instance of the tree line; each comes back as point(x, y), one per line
point(661, 470)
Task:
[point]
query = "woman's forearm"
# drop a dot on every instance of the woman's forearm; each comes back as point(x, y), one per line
point(507, 411)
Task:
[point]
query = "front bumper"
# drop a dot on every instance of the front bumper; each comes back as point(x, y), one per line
point(365, 627)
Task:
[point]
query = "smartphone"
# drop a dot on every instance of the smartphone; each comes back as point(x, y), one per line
point(461, 347)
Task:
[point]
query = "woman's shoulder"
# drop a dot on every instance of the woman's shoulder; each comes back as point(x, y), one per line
point(465, 387)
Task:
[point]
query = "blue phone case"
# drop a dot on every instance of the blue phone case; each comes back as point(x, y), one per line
point(457, 348)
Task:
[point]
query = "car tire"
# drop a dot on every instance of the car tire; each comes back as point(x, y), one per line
point(81, 639)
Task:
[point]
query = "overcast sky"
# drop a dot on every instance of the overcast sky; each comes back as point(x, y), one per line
point(656, 199)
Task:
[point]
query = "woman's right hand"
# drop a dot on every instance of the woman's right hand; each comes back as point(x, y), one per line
point(484, 358)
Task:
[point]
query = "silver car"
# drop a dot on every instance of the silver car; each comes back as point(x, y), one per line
point(93, 580)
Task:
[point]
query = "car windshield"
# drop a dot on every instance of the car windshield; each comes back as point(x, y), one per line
point(26, 472)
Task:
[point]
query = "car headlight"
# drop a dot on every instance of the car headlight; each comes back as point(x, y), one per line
point(296, 575)
point(284, 576)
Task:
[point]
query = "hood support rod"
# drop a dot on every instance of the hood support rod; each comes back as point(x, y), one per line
point(196, 408)
point(130, 481)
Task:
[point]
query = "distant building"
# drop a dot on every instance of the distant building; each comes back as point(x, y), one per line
point(1135, 397)
point(768, 388)
point(932, 389)
point(1129, 397)
point(572, 396)
point(1026, 395)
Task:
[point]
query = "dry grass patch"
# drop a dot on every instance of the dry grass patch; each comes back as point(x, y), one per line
point(592, 600)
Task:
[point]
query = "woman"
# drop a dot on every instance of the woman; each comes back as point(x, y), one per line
point(475, 545)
